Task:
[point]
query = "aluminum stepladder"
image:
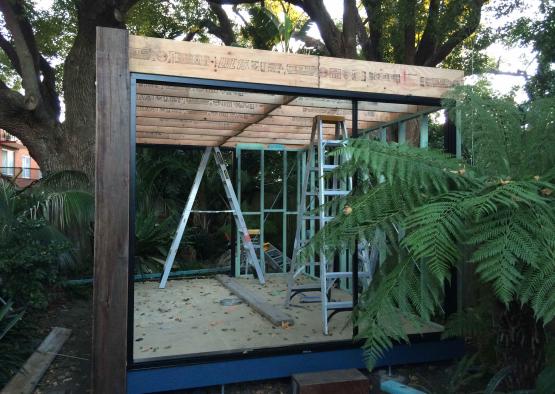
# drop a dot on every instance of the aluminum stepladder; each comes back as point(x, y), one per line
point(319, 195)
point(235, 208)
point(274, 257)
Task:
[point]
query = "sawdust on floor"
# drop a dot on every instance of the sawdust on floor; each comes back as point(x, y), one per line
point(187, 318)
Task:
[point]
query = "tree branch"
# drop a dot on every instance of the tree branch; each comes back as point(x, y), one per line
point(351, 25)
point(315, 9)
point(14, 116)
point(428, 41)
point(27, 55)
point(9, 50)
point(236, 2)
point(224, 31)
point(472, 23)
point(331, 35)
point(190, 35)
point(371, 48)
point(48, 87)
point(409, 31)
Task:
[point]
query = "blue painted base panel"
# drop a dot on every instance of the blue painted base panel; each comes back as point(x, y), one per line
point(159, 379)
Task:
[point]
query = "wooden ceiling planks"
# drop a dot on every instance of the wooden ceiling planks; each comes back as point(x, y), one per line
point(210, 117)
point(193, 116)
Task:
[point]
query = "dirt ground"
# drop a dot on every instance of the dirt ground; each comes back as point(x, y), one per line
point(70, 371)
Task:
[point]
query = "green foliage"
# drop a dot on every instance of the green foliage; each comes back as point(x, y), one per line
point(29, 264)
point(496, 380)
point(546, 379)
point(439, 214)
point(166, 19)
point(153, 238)
point(8, 319)
point(506, 140)
point(268, 29)
point(538, 34)
point(10, 358)
point(36, 226)
point(164, 179)
point(471, 55)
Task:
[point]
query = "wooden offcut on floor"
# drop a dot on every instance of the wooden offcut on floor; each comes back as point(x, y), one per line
point(193, 317)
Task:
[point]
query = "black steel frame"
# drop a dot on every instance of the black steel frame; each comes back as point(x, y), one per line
point(355, 97)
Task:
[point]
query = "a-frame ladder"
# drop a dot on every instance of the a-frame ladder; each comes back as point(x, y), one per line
point(321, 191)
point(235, 208)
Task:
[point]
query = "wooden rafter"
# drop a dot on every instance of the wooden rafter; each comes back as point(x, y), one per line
point(286, 100)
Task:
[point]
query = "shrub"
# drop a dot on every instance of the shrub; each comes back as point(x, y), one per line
point(29, 261)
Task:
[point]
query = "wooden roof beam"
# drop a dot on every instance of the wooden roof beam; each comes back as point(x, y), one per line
point(286, 100)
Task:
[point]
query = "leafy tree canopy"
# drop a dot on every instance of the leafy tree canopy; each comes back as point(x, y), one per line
point(540, 35)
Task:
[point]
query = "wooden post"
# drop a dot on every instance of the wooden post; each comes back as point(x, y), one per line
point(112, 197)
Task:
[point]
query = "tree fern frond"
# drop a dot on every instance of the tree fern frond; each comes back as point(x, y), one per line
point(398, 302)
point(433, 232)
point(429, 170)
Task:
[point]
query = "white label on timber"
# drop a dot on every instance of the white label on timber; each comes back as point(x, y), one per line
point(166, 90)
point(195, 114)
point(202, 104)
point(168, 57)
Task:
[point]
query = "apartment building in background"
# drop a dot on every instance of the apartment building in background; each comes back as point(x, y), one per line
point(16, 162)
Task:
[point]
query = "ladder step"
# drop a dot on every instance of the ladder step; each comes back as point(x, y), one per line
point(330, 192)
point(335, 142)
point(327, 218)
point(340, 305)
point(307, 287)
point(337, 275)
point(307, 299)
point(326, 167)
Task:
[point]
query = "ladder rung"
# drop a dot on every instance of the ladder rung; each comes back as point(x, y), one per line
point(336, 305)
point(307, 287)
point(318, 218)
point(330, 192)
point(326, 167)
point(314, 263)
point(336, 192)
point(337, 275)
point(306, 299)
point(334, 142)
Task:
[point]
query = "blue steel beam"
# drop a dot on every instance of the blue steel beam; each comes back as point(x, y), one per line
point(272, 367)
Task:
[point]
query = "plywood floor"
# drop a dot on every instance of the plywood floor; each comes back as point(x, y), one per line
point(187, 318)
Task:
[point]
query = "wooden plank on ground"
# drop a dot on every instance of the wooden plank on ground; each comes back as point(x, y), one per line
point(343, 381)
point(27, 378)
point(259, 304)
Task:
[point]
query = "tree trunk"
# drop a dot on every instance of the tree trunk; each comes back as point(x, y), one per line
point(56, 145)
